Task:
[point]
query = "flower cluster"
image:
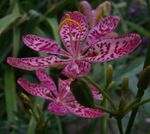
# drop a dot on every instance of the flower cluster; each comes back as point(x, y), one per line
point(82, 46)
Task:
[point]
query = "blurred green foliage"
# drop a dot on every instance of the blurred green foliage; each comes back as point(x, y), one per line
point(20, 17)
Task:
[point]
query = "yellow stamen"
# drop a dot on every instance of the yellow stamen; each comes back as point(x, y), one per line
point(68, 20)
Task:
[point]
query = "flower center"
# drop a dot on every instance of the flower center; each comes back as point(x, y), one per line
point(68, 20)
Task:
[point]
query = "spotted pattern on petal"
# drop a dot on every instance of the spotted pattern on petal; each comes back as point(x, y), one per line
point(71, 30)
point(77, 69)
point(105, 26)
point(110, 49)
point(35, 63)
point(84, 112)
point(35, 89)
point(57, 108)
point(42, 44)
point(47, 81)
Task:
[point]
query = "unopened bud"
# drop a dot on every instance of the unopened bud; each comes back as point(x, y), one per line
point(144, 78)
point(109, 74)
point(26, 100)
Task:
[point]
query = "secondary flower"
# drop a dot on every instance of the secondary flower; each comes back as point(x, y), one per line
point(95, 15)
point(81, 47)
point(62, 98)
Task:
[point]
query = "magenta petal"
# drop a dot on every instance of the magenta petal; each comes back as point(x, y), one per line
point(105, 26)
point(47, 81)
point(77, 69)
point(35, 63)
point(84, 112)
point(42, 44)
point(113, 48)
point(64, 88)
point(96, 93)
point(35, 89)
point(57, 108)
point(70, 32)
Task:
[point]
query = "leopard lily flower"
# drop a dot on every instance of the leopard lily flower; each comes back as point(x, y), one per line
point(62, 99)
point(81, 47)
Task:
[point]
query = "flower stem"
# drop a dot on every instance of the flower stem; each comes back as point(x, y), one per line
point(119, 122)
point(102, 92)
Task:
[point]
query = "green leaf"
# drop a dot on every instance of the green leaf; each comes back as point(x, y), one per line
point(10, 94)
point(82, 93)
point(7, 21)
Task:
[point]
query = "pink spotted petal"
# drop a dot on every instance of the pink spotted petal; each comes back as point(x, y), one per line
point(86, 9)
point(35, 63)
point(35, 89)
point(101, 11)
point(47, 81)
point(113, 48)
point(64, 88)
point(77, 69)
point(42, 44)
point(84, 112)
point(70, 32)
point(105, 26)
point(57, 108)
point(96, 93)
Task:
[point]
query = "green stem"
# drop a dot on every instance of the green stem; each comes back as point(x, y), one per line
point(135, 104)
point(59, 125)
point(119, 122)
point(140, 92)
point(106, 110)
point(105, 95)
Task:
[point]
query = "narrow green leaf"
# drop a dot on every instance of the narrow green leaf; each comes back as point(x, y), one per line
point(54, 25)
point(138, 28)
point(10, 94)
point(16, 40)
point(8, 20)
point(82, 93)
point(33, 122)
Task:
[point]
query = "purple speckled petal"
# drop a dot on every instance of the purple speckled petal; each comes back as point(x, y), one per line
point(113, 48)
point(77, 69)
point(96, 93)
point(35, 89)
point(47, 81)
point(70, 32)
point(35, 63)
point(42, 44)
point(82, 111)
point(57, 108)
point(86, 9)
point(64, 88)
point(105, 26)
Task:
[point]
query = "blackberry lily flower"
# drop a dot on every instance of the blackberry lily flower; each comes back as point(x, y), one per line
point(62, 98)
point(81, 47)
point(95, 15)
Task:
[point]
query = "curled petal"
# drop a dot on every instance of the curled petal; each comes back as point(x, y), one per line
point(35, 89)
point(105, 26)
point(84, 112)
point(47, 81)
point(42, 44)
point(77, 69)
point(113, 48)
point(86, 9)
point(73, 28)
point(57, 108)
point(35, 63)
